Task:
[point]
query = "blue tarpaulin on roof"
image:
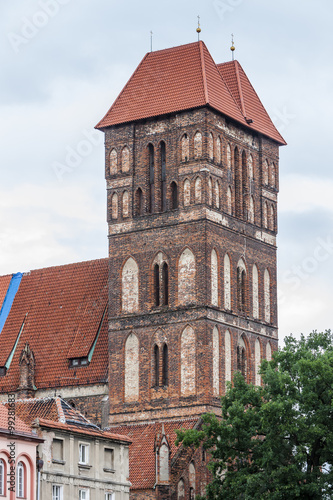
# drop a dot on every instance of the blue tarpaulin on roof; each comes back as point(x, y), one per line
point(9, 299)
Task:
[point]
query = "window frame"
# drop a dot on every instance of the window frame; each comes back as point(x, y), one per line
point(2, 476)
point(84, 446)
point(86, 491)
point(60, 491)
point(21, 477)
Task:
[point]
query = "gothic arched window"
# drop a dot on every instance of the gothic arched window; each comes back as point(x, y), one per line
point(163, 176)
point(139, 202)
point(132, 368)
point(113, 162)
point(187, 193)
point(125, 157)
point(186, 277)
point(174, 195)
point(185, 145)
point(130, 286)
point(165, 366)
point(151, 177)
point(241, 286)
point(241, 357)
point(156, 366)
point(198, 145)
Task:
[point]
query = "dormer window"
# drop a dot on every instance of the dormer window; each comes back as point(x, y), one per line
point(75, 362)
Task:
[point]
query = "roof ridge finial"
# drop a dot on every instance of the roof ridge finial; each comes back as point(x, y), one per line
point(198, 30)
point(232, 48)
point(151, 41)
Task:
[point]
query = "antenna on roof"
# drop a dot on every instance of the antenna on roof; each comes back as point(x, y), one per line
point(151, 41)
point(232, 48)
point(198, 28)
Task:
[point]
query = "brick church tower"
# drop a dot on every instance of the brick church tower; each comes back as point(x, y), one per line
point(191, 165)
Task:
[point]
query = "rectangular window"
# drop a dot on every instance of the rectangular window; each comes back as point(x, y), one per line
point(57, 449)
point(57, 492)
point(83, 453)
point(108, 459)
point(109, 496)
point(83, 494)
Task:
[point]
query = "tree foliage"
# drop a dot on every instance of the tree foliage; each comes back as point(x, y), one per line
point(275, 441)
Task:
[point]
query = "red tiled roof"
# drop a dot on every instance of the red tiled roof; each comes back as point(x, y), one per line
point(20, 425)
point(178, 79)
point(54, 412)
point(61, 309)
point(4, 283)
point(247, 99)
point(141, 451)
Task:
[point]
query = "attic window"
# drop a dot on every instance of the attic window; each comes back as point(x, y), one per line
point(3, 371)
point(78, 362)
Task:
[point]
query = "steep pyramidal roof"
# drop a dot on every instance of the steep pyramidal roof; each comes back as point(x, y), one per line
point(186, 77)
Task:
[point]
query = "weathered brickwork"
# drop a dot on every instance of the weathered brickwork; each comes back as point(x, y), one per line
point(192, 272)
point(221, 267)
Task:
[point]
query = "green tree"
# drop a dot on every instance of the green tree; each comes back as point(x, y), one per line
point(275, 441)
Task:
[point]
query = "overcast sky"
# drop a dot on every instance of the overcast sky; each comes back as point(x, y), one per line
point(63, 62)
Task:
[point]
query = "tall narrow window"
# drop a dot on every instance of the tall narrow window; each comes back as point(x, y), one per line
point(227, 289)
point(186, 277)
point(130, 286)
point(218, 150)
point(271, 217)
point(244, 185)
point(228, 157)
point(211, 146)
point(250, 167)
point(157, 284)
point(151, 177)
point(216, 357)
point(20, 480)
point(268, 352)
point(187, 356)
point(185, 148)
point(2, 477)
point(139, 202)
point(113, 162)
point(114, 206)
point(227, 356)
point(165, 284)
point(251, 210)
point(163, 176)
point(197, 190)
point(241, 286)
point(273, 175)
point(267, 296)
point(165, 371)
point(210, 191)
point(238, 185)
point(187, 193)
point(217, 194)
point(257, 356)
point(125, 204)
point(214, 278)
point(191, 480)
point(125, 155)
point(241, 357)
point(198, 145)
point(255, 292)
point(174, 195)
point(131, 368)
point(264, 215)
point(57, 492)
point(265, 172)
point(229, 201)
point(156, 366)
